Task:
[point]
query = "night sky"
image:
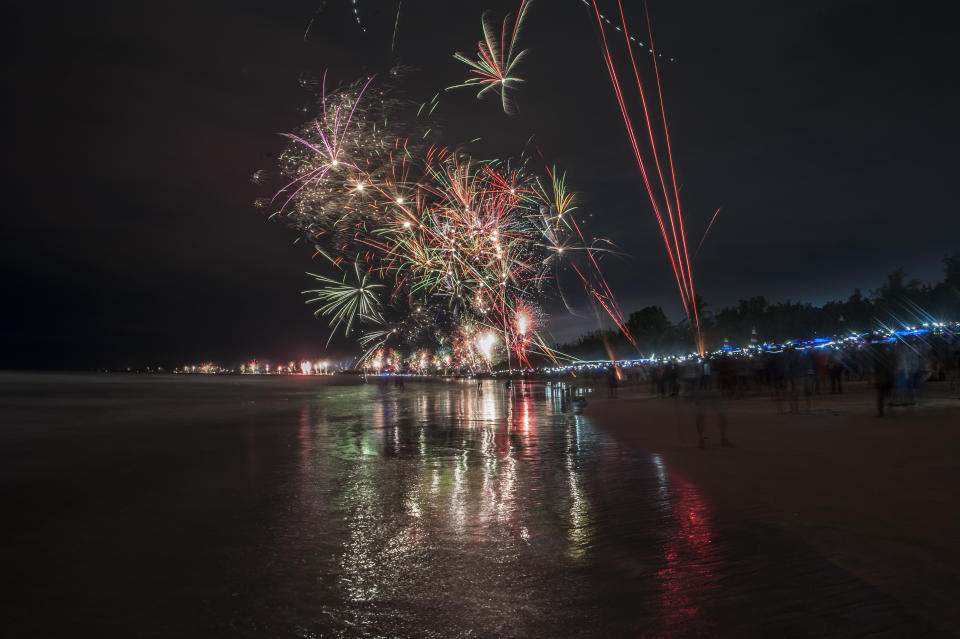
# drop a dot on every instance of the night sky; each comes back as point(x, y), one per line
point(825, 129)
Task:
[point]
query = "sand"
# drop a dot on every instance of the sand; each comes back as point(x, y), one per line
point(876, 496)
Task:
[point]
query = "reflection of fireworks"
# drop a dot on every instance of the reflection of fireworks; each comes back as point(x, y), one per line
point(523, 327)
point(493, 69)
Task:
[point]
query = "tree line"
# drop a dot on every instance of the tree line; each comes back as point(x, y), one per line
point(900, 301)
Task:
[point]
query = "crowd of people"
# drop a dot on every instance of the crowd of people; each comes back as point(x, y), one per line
point(898, 368)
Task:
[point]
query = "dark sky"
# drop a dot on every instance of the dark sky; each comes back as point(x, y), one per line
point(826, 130)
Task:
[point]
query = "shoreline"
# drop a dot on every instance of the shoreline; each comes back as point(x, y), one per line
point(874, 496)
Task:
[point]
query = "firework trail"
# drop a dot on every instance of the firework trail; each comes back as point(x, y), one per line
point(633, 39)
point(437, 249)
point(556, 210)
point(497, 58)
point(313, 18)
point(709, 226)
point(356, 15)
point(396, 26)
point(306, 31)
point(664, 200)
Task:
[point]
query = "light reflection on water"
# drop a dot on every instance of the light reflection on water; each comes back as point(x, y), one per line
point(441, 511)
point(162, 506)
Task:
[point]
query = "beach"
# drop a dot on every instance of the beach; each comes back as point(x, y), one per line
point(263, 506)
point(876, 496)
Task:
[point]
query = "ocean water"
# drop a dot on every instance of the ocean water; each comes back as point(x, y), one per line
point(170, 506)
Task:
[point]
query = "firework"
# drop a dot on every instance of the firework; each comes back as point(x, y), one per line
point(442, 252)
point(709, 226)
point(633, 39)
point(559, 202)
point(493, 69)
point(396, 27)
point(664, 200)
point(356, 15)
point(328, 147)
point(344, 303)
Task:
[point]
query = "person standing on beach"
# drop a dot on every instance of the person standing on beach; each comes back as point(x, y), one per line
point(882, 375)
point(836, 372)
point(706, 400)
point(673, 373)
point(692, 376)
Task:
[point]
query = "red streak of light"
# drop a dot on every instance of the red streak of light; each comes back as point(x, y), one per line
point(677, 250)
point(615, 81)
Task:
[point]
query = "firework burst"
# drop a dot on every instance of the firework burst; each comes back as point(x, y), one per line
point(440, 251)
point(345, 303)
point(493, 69)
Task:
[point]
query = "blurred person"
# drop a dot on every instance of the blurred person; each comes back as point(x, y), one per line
point(612, 380)
point(856, 365)
point(742, 368)
point(956, 368)
point(797, 376)
point(925, 371)
point(882, 374)
point(809, 364)
point(939, 364)
point(728, 375)
point(673, 377)
point(759, 369)
point(906, 364)
point(706, 400)
point(836, 372)
point(706, 374)
point(821, 370)
point(691, 375)
point(778, 365)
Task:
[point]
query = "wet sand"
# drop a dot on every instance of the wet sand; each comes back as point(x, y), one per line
point(876, 497)
point(318, 507)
